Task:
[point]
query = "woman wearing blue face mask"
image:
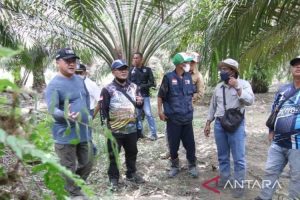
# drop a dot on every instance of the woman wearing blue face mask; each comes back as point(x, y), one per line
point(237, 93)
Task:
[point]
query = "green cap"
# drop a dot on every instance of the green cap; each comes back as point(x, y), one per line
point(181, 58)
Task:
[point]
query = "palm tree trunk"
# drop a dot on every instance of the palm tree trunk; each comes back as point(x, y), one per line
point(17, 76)
point(260, 82)
point(38, 79)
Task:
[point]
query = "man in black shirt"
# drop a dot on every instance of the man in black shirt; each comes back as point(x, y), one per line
point(143, 77)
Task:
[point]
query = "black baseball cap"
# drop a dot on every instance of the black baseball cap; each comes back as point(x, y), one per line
point(65, 53)
point(80, 68)
point(295, 60)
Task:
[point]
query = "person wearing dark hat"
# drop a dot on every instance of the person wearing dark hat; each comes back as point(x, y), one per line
point(94, 92)
point(285, 138)
point(237, 93)
point(92, 87)
point(68, 102)
point(174, 103)
point(118, 103)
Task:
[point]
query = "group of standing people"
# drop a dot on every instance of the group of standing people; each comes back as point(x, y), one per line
point(73, 100)
point(123, 102)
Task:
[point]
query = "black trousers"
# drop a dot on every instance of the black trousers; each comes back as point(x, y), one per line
point(129, 143)
point(78, 159)
point(185, 133)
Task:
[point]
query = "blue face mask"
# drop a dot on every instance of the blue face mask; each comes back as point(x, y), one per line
point(224, 76)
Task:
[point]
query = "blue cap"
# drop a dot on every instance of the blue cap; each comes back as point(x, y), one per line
point(118, 64)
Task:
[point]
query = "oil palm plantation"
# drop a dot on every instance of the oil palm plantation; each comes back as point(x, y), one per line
point(112, 29)
point(262, 35)
point(109, 29)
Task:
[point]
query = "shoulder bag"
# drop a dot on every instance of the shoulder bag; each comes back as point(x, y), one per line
point(232, 117)
point(270, 123)
point(139, 133)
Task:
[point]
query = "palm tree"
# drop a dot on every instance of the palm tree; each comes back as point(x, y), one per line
point(124, 27)
point(34, 60)
point(261, 34)
point(110, 29)
point(22, 24)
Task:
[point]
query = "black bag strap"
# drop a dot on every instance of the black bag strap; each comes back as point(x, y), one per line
point(224, 98)
point(287, 98)
point(126, 95)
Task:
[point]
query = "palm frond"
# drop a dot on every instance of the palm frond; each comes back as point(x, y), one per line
point(252, 32)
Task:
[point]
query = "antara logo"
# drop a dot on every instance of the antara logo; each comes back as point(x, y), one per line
point(249, 184)
point(207, 185)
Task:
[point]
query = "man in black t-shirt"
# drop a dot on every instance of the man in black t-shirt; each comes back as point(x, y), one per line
point(143, 77)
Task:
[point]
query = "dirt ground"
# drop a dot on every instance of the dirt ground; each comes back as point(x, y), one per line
point(154, 169)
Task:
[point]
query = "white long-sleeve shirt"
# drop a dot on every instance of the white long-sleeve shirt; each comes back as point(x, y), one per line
point(94, 91)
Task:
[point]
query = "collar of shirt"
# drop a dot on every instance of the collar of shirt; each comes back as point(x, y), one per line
point(122, 86)
point(141, 67)
point(182, 76)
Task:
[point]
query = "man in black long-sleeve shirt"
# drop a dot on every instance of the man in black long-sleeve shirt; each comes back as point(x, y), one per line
point(118, 101)
point(143, 77)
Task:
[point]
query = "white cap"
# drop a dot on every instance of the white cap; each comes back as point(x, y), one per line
point(196, 56)
point(230, 63)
